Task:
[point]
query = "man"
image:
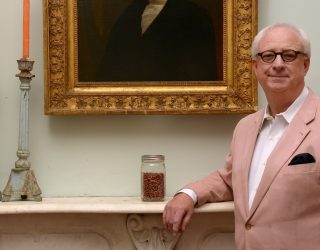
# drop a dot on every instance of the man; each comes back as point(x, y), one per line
point(161, 40)
point(272, 172)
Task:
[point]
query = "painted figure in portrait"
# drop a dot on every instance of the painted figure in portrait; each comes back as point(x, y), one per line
point(149, 40)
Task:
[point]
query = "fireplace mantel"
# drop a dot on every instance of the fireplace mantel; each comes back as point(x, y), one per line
point(114, 223)
point(125, 205)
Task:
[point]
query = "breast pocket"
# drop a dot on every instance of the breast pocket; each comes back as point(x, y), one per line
point(306, 168)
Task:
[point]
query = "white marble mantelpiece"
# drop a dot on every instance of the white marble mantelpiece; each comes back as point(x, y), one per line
point(117, 223)
point(126, 205)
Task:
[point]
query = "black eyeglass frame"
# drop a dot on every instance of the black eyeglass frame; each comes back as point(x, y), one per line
point(281, 54)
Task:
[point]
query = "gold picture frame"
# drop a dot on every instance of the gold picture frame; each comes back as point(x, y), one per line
point(65, 94)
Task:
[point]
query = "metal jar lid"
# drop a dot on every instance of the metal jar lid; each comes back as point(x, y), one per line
point(152, 158)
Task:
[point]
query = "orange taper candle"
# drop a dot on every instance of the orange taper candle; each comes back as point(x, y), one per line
point(26, 28)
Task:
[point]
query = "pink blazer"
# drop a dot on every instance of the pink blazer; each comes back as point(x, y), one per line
point(285, 213)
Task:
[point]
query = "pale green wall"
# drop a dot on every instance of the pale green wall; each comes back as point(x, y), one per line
point(100, 155)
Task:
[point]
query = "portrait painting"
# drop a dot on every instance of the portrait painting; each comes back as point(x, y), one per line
point(150, 40)
point(149, 56)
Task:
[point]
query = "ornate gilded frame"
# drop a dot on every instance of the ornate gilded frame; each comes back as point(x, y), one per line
point(64, 95)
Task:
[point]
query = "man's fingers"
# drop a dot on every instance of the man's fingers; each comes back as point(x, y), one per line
point(177, 222)
point(186, 221)
point(172, 220)
point(165, 219)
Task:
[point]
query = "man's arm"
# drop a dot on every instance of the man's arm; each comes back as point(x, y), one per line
point(215, 187)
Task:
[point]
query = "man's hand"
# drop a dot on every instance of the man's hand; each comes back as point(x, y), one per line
point(177, 213)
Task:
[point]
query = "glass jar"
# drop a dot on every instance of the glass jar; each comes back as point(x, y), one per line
point(152, 178)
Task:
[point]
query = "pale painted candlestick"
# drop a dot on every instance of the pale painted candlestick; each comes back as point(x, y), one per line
point(22, 184)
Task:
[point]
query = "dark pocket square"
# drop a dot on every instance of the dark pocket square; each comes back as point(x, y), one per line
point(302, 159)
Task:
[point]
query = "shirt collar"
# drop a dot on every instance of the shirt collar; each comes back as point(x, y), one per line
point(289, 114)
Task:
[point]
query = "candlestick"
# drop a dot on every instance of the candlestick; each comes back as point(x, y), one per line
point(26, 28)
point(22, 183)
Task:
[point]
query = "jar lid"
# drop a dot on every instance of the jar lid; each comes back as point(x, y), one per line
point(152, 158)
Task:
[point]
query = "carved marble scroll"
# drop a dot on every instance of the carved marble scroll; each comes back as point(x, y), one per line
point(147, 235)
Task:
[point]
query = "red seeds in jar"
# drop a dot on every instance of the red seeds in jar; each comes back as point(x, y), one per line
point(153, 187)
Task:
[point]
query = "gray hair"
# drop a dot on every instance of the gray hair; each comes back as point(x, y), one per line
point(304, 38)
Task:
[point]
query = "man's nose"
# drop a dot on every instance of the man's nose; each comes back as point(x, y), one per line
point(278, 61)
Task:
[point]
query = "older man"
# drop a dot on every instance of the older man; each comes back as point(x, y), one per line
point(272, 171)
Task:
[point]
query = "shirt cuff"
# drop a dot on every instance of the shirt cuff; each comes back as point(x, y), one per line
point(191, 193)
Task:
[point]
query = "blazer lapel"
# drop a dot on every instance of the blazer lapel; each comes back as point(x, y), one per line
point(250, 139)
point(297, 130)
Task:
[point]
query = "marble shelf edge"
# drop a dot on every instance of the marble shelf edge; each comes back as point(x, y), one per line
point(122, 205)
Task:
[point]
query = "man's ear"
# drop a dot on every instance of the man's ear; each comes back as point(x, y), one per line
point(306, 65)
point(254, 65)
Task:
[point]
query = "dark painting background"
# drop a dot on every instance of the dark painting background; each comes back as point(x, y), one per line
point(96, 18)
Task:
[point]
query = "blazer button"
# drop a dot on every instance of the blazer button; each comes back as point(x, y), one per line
point(248, 226)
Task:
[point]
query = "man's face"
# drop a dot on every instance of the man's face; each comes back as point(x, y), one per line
point(280, 76)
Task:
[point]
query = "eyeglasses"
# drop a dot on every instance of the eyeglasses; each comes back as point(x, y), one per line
point(286, 55)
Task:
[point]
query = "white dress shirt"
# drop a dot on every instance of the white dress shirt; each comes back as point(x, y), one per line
point(270, 132)
point(151, 11)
